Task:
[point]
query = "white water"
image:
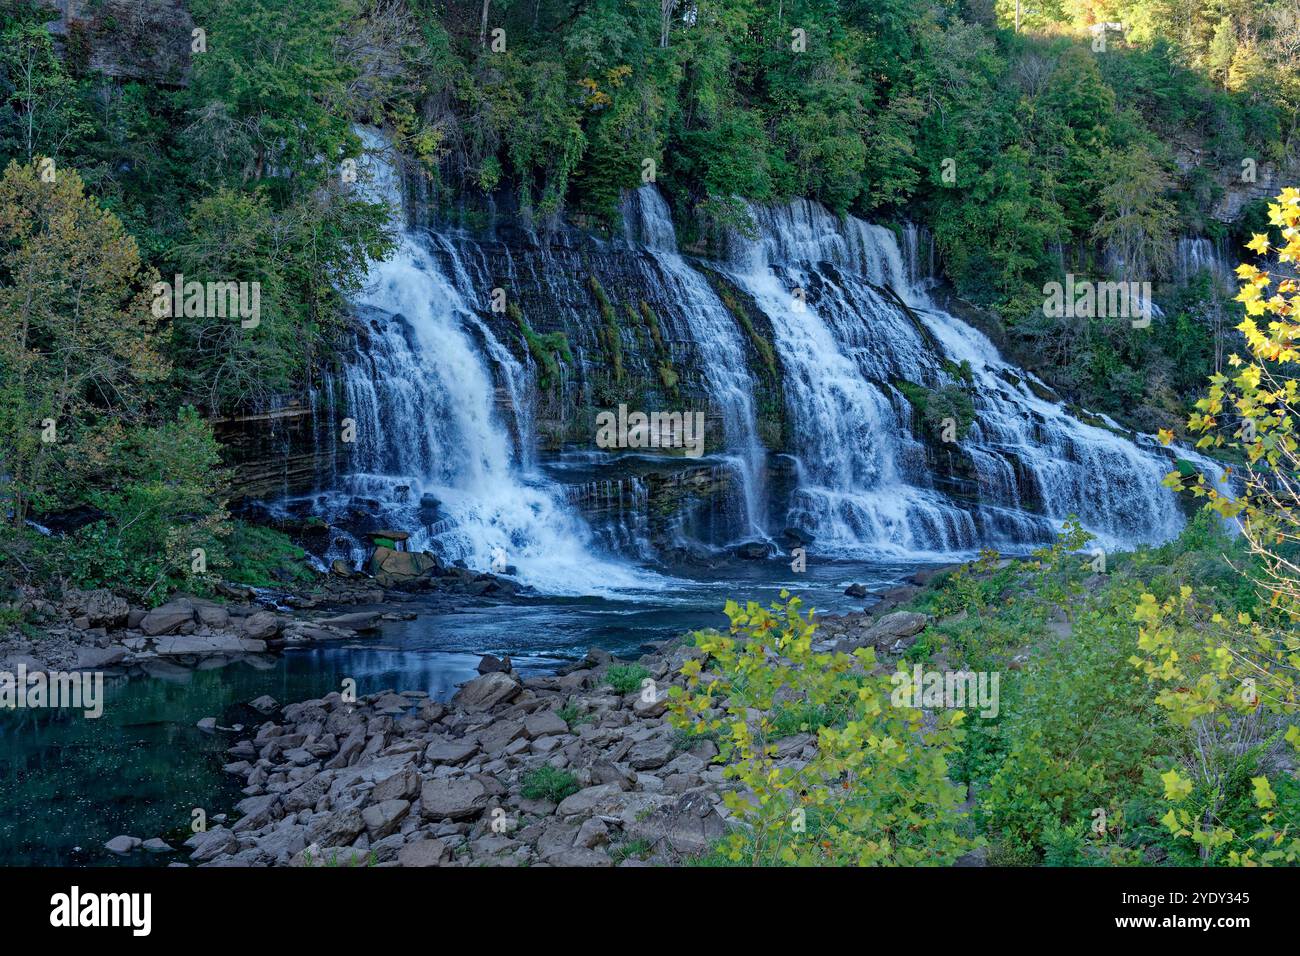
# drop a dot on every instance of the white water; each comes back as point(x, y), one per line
point(423, 399)
point(864, 486)
point(648, 222)
point(445, 443)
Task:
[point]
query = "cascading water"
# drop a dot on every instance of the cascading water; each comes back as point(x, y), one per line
point(1196, 254)
point(431, 455)
point(648, 223)
point(864, 484)
point(444, 411)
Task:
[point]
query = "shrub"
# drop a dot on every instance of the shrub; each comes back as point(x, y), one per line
point(877, 790)
point(626, 678)
point(549, 783)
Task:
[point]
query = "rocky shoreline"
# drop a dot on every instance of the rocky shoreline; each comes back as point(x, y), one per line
point(556, 770)
point(575, 768)
point(97, 630)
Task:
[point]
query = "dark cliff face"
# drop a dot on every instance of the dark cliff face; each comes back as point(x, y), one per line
point(593, 324)
point(126, 39)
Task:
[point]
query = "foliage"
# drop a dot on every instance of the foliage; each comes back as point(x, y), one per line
point(548, 783)
point(264, 557)
point(625, 678)
point(876, 791)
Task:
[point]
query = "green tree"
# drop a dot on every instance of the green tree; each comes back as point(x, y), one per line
point(78, 344)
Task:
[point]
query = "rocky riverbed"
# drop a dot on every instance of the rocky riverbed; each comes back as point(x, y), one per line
point(556, 770)
point(97, 630)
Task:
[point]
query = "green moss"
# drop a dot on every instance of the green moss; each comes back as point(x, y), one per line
point(939, 404)
point(611, 339)
point(264, 557)
point(543, 348)
point(766, 353)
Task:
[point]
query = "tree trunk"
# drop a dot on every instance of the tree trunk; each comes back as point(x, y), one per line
point(482, 30)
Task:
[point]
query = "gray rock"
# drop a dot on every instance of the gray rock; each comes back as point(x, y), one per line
point(264, 704)
point(649, 754)
point(260, 626)
point(339, 828)
point(687, 826)
point(213, 615)
point(95, 658)
point(422, 852)
point(588, 800)
point(168, 618)
point(212, 843)
point(500, 734)
point(450, 751)
point(157, 845)
point(382, 819)
point(205, 644)
point(545, 723)
point(122, 845)
point(99, 607)
point(484, 693)
point(356, 621)
point(490, 665)
point(452, 799)
point(654, 707)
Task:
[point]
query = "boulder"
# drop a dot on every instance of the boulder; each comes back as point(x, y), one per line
point(122, 845)
point(100, 607)
point(341, 568)
point(212, 843)
point(422, 852)
point(484, 693)
point(544, 723)
point(589, 800)
point(204, 644)
point(443, 799)
point(856, 591)
point(450, 751)
point(393, 569)
point(649, 754)
point(357, 621)
point(753, 550)
point(96, 658)
point(653, 706)
point(261, 626)
point(168, 618)
point(894, 627)
point(336, 829)
point(213, 615)
point(264, 704)
point(383, 818)
point(490, 665)
point(687, 826)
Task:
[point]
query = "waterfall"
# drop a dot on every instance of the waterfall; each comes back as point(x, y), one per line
point(432, 456)
point(648, 223)
point(864, 482)
point(1195, 254)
